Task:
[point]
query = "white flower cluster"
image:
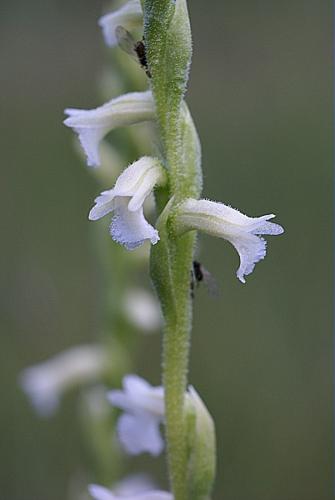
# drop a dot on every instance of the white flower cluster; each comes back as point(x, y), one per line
point(125, 200)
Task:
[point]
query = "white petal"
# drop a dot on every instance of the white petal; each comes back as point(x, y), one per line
point(133, 485)
point(128, 16)
point(251, 249)
point(130, 228)
point(90, 141)
point(100, 493)
point(140, 433)
point(138, 396)
point(92, 125)
point(153, 177)
point(267, 228)
point(45, 382)
point(42, 390)
point(144, 396)
point(145, 170)
point(143, 310)
point(154, 495)
point(104, 204)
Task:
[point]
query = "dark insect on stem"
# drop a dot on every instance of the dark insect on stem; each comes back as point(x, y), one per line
point(200, 274)
point(142, 57)
point(135, 49)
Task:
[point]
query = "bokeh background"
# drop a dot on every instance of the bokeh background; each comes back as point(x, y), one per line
point(260, 93)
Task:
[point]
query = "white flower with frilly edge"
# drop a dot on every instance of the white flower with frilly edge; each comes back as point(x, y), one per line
point(125, 200)
point(220, 220)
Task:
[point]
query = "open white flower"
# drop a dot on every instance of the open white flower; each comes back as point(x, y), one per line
point(129, 227)
point(225, 222)
point(93, 124)
point(143, 405)
point(130, 15)
point(101, 493)
point(45, 382)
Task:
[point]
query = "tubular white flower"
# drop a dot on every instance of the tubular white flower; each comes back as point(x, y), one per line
point(126, 199)
point(45, 382)
point(138, 427)
point(101, 493)
point(130, 15)
point(93, 124)
point(225, 222)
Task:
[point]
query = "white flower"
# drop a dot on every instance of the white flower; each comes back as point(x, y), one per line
point(126, 199)
point(45, 382)
point(130, 15)
point(138, 427)
point(93, 124)
point(225, 222)
point(101, 493)
point(142, 309)
point(133, 484)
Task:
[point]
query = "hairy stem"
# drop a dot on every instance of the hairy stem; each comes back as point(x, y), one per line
point(169, 49)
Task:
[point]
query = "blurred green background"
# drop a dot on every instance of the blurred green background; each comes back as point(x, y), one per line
point(260, 94)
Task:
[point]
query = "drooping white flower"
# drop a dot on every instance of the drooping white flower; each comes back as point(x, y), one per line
point(101, 493)
point(125, 200)
point(130, 15)
point(225, 222)
point(143, 405)
point(93, 124)
point(45, 382)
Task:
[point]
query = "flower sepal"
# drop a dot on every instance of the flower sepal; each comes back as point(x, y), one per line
point(201, 440)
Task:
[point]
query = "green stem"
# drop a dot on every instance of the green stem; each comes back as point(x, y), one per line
point(176, 346)
point(169, 48)
point(171, 263)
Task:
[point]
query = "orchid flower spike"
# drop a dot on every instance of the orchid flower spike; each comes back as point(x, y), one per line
point(225, 222)
point(101, 493)
point(93, 124)
point(130, 15)
point(46, 382)
point(129, 227)
point(138, 426)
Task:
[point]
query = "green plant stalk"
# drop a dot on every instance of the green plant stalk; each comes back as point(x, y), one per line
point(168, 43)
